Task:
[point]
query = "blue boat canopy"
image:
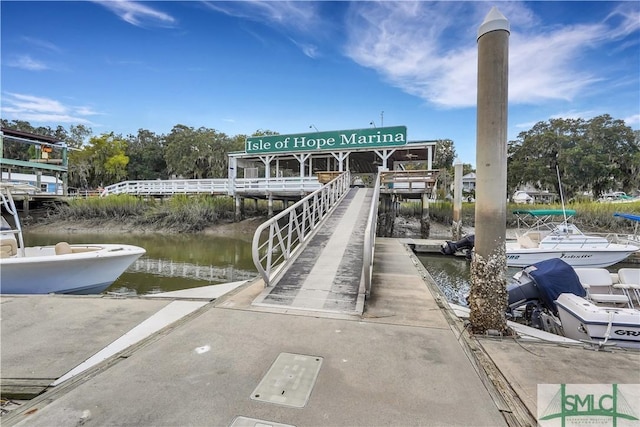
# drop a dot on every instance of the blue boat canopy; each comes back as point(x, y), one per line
point(628, 216)
point(545, 212)
point(554, 277)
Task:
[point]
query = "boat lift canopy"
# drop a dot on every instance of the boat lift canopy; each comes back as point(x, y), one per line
point(635, 238)
point(628, 216)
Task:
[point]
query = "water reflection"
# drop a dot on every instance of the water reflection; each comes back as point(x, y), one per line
point(172, 262)
point(185, 270)
point(453, 274)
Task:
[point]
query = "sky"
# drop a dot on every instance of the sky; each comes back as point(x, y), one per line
point(300, 66)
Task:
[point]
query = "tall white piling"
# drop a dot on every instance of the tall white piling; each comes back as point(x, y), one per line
point(488, 296)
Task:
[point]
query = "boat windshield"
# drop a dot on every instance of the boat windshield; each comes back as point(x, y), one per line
point(4, 225)
point(545, 219)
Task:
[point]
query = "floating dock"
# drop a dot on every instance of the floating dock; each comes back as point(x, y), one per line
point(221, 360)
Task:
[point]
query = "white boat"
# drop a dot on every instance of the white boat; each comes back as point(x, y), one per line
point(63, 268)
point(551, 296)
point(582, 320)
point(546, 239)
point(617, 197)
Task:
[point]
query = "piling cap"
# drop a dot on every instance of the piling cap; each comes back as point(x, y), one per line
point(493, 21)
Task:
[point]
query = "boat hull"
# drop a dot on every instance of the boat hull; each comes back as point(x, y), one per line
point(582, 320)
point(41, 271)
point(576, 257)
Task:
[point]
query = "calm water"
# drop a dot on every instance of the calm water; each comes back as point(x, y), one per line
point(183, 261)
point(453, 274)
point(172, 262)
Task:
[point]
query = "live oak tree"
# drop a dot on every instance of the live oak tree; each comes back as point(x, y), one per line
point(443, 158)
point(146, 156)
point(197, 153)
point(593, 156)
point(445, 154)
point(78, 135)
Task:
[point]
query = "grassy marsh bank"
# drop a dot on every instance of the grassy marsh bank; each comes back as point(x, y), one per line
point(178, 214)
point(590, 216)
point(192, 214)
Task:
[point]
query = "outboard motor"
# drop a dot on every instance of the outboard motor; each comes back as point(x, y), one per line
point(465, 244)
point(537, 287)
point(522, 292)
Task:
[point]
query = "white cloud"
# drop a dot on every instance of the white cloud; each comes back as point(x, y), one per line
point(38, 109)
point(138, 14)
point(525, 125)
point(430, 50)
point(542, 67)
point(85, 111)
point(42, 44)
point(574, 114)
point(300, 15)
point(26, 62)
point(633, 120)
point(625, 20)
point(308, 49)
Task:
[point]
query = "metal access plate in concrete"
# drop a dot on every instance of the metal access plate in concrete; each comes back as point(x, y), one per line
point(289, 381)
point(253, 422)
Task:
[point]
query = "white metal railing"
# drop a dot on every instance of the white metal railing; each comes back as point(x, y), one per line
point(285, 184)
point(277, 240)
point(370, 238)
point(170, 187)
point(417, 181)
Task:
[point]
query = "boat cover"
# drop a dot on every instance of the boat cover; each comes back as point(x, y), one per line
point(554, 277)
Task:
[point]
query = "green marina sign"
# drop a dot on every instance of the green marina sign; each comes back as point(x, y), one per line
point(339, 140)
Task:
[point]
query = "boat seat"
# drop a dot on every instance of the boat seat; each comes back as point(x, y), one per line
point(526, 242)
point(535, 237)
point(629, 275)
point(600, 287)
point(629, 283)
point(610, 299)
point(63, 248)
point(8, 247)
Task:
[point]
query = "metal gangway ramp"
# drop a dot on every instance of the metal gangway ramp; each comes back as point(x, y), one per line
point(331, 270)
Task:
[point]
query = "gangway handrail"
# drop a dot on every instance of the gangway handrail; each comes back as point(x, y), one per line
point(292, 228)
point(370, 238)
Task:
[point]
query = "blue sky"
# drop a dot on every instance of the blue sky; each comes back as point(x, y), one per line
point(241, 66)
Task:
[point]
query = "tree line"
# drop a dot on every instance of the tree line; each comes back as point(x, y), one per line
point(595, 155)
point(108, 158)
point(590, 156)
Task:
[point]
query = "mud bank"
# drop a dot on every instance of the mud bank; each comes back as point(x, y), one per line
point(247, 226)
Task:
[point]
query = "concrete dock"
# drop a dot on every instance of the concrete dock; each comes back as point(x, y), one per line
point(219, 360)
